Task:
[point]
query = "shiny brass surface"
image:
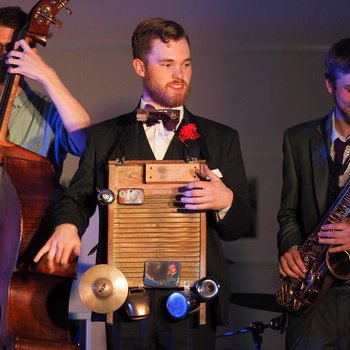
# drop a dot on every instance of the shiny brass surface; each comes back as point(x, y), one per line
point(103, 288)
point(323, 268)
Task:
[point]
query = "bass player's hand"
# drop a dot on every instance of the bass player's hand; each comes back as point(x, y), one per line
point(63, 243)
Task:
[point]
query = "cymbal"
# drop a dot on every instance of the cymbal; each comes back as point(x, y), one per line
point(266, 302)
point(103, 288)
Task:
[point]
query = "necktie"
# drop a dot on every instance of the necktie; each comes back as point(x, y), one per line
point(337, 169)
point(339, 148)
point(152, 116)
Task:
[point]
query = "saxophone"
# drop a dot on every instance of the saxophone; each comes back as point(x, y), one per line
point(322, 267)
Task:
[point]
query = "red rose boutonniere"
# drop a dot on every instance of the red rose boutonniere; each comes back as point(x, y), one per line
point(188, 132)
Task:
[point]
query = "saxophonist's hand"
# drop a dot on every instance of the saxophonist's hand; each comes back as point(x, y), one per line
point(292, 265)
point(337, 234)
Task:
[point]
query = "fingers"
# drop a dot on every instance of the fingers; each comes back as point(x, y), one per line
point(64, 242)
point(67, 253)
point(198, 198)
point(335, 228)
point(23, 44)
point(18, 54)
point(47, 248)
point(210, 175)
point(26, 62)
point(42, 251)
point(202, 195)
point(339, 248)
point(335, 234)
point(292, 265)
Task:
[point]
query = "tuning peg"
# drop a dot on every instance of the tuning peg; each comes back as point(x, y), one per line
point(45, 13)
point(57, 22)
point(65, 7)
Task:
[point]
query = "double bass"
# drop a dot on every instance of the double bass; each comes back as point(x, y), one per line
point(33, 299)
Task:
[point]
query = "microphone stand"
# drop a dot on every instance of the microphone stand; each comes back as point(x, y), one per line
point(257, 329)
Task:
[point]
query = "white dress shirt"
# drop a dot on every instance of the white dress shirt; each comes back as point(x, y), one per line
point(342, 178)
point(158, 137)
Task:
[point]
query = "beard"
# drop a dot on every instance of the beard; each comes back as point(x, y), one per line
point(162, 96)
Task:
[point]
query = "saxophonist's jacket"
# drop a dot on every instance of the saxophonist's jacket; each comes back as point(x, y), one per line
point(305, 181)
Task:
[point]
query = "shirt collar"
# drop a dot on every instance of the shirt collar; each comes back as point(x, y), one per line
point(335, 135)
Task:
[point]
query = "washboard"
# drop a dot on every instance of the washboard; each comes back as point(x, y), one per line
point(146, 223)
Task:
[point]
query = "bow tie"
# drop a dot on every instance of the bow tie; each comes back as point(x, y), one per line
point(152, 116)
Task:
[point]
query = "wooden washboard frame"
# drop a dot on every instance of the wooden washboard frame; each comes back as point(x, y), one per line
point(156, 230)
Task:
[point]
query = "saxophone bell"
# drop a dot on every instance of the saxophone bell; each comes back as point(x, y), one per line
point(339, 264)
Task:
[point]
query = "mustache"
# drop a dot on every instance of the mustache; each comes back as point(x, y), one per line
point(178, 81)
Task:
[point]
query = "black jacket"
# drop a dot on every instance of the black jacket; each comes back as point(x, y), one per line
point(306, 177)
point(124, 137)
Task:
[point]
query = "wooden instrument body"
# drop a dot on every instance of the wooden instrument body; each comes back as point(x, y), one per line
point(33, 303)
point(158, 229)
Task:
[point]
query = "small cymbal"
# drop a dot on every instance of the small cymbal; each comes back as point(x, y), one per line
point(103, 288)
point(266, 302)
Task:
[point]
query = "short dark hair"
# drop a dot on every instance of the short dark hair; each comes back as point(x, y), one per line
point(12, 17)
point(154, 28)
point(337, 60)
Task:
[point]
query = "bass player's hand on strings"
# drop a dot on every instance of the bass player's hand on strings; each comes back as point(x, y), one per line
point(60, 247)
point(29, 63)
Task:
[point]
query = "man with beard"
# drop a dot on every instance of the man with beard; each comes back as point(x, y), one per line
point(51, 124)
point(162, 59)
point(315, 168)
